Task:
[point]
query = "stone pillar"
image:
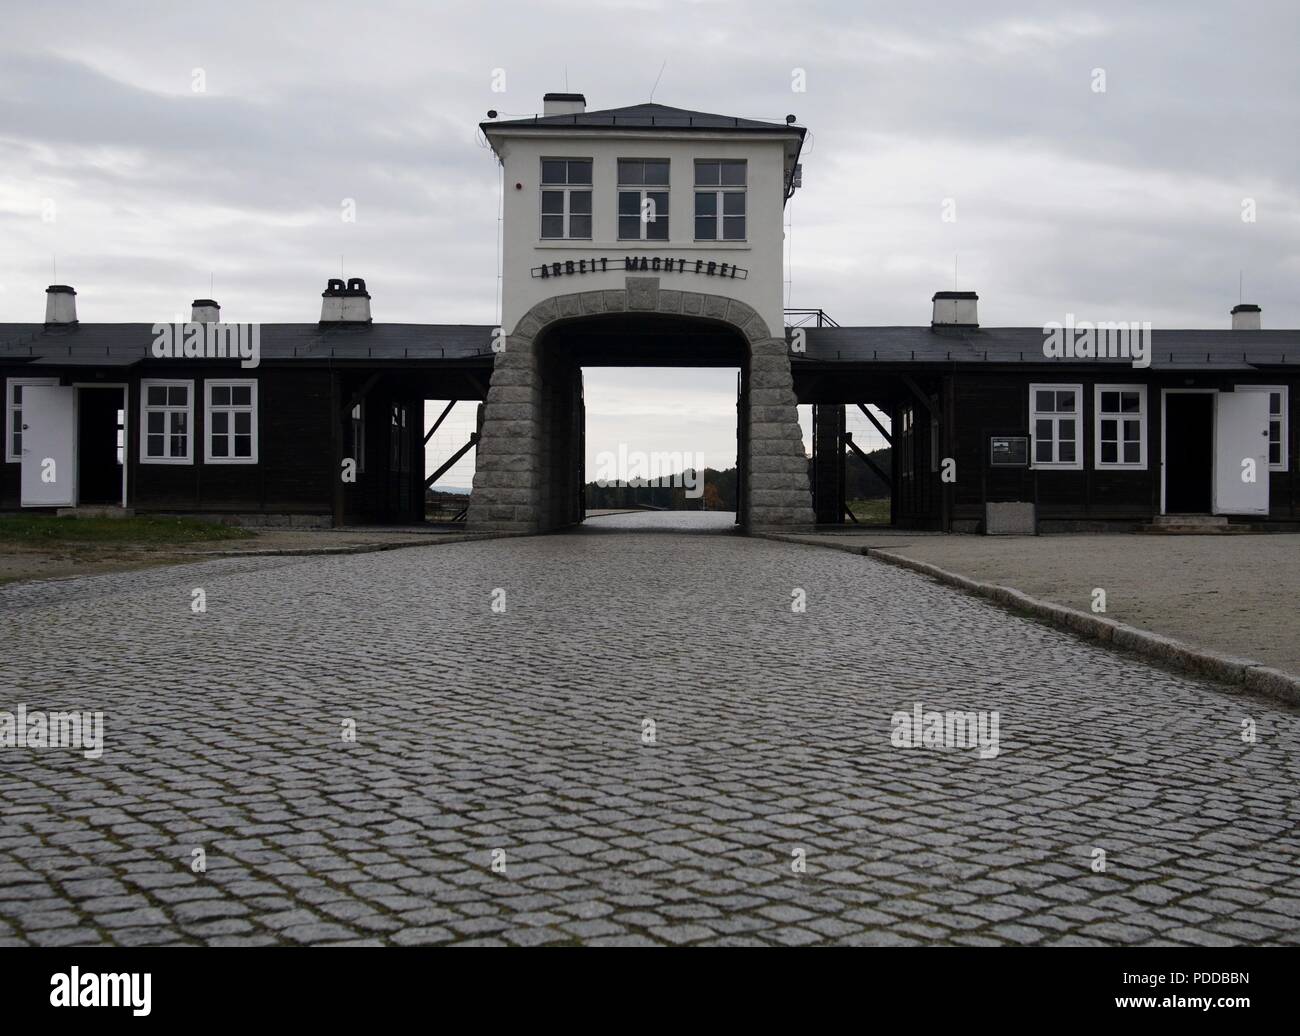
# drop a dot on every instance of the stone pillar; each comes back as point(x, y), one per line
point(507, 462)
point(778, 467)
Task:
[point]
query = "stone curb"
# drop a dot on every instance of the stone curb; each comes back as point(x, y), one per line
point(433, 540)
point(1243, 673)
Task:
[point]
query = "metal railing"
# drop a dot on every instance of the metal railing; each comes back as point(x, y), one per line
point(808, 318)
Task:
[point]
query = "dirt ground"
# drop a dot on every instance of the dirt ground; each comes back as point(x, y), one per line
point(65, 560)
point(1239, 595)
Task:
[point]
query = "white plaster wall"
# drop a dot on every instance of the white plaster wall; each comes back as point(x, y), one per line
point(523, 248)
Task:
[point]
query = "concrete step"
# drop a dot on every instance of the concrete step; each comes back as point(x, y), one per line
point(95, 512)
point(1185, 520)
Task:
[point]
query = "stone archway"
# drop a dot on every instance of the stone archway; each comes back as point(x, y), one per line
point(513, 472)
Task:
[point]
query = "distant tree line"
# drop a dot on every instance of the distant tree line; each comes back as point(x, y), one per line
point(720, 488)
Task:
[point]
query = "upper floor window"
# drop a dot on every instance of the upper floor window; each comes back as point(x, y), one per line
point(643, 199)
point(720, 199)
point(166, 419)
point(232, 422)
point(1277, 424)
point(566, 198)
point(1054, 415)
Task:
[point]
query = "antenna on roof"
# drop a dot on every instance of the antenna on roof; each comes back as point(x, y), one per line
point(566, 79)
point(954, 271)
point(657, 78)
point(1240, 290)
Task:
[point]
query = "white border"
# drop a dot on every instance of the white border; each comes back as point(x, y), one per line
point(208, 386)
point(1080, 418)
point(1097, 463)
point(1164, 440)
point(126, 429)
point(142, 448)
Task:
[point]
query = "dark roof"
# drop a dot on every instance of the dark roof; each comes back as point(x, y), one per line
point(645, 117)
point(116, 345)
point(103, 345)
point(1173, 349)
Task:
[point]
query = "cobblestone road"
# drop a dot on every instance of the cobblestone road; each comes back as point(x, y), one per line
point(523, 731)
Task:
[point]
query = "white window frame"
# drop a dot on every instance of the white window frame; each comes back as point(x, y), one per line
point(209, 408)
point(567, 190)
point(13, 456)
point(146, 410)
point(641, 190)
point(357, 432)
point(719, 191)
point(1285, 463)
point(1034, 417)
point(1097, 416)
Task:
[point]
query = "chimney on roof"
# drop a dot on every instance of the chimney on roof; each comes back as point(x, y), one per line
point(345, 303)
point(60, 305)
point(955, 309)
point(1245, 317)
point(205, 311)
point(564, 104)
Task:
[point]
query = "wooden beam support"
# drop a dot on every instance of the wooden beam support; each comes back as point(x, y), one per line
point(360, 394)
point(441, 417)
point(848, 439)
point(879, 427)
point(473, 441)
point(931, 404)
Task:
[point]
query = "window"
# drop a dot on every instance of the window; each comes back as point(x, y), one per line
point(720, 199)
point(166, 418)
point(1278, 459)
point(231, 419)
point(642, 209)
point(566, 198)
point(359, 436)
point(905, 444)
point(14, 414)
point(1121, 426)
point(1054, 416)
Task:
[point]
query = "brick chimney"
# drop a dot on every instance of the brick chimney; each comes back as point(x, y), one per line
point(345, 303)
point(564, 104)
point(1245, 317)
point(205, 311)
point(955, 309)
point(60, 305)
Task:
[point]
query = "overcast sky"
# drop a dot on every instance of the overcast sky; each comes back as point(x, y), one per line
point(1122, 204)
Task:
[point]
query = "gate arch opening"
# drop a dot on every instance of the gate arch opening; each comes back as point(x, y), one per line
point(529, 473)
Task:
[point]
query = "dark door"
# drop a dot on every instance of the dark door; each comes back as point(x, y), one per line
point(99, 437)
point(1189, 452)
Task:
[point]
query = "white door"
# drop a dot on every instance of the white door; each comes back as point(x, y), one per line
point(49, 446)
point(1240, 437)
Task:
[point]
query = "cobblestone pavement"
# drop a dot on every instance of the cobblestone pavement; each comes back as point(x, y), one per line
point(523, 731)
